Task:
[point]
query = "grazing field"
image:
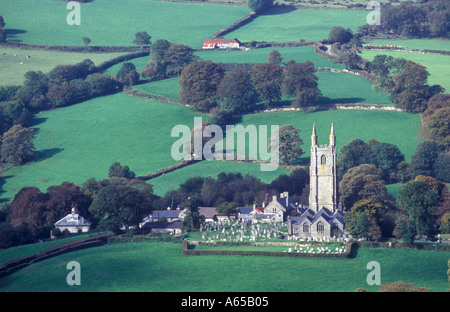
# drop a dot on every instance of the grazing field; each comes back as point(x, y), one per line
point(152, 266)
point(298, 54)
point(278, 25)
point(413, 44)
point(40, 60)
point(113, 23)
point(81, 141)
point(437, 65)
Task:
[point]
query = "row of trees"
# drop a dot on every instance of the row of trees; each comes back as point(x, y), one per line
point(206, 85)
point(409, 19)
point(406, 82)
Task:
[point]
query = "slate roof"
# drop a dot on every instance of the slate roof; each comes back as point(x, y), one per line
point(312, 217)
point(166, 214)
point(245, 210)
point(207, 212)
point(73, 219)
point(289, 205)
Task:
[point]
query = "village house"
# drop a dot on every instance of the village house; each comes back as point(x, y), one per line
point(221, 44)
point(74, 223)
point(164, 227)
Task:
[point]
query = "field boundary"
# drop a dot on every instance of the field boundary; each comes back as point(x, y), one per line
point(349, 252)
point(18, 264)
point(78, 49)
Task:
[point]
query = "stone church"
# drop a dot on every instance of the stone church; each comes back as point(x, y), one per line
point(323, 218)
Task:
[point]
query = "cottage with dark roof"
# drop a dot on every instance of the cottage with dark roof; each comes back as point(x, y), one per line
point(321, 224)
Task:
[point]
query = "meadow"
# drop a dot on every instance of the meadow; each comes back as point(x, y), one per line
point(160, 267)
point(40, 60)
point(298, 54)
point(281, 25)
point(437, 65)
point(114, 23)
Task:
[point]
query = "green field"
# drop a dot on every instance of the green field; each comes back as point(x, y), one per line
point(298, 54)
point(81, 141)
point(162, 267)
point(437, 65)
point(113, 23)
point(413, 44)
point(40, 60)
point(309, 24)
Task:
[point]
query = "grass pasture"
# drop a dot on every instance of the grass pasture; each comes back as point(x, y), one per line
point(298, 54)
point(282, 25)
point(81, 141)
point(40, 60)
point(152, 266)
point(114, 23)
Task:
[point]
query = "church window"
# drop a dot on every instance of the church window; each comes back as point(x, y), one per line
point(305, 227)
point(320, 227)
point(323, 160)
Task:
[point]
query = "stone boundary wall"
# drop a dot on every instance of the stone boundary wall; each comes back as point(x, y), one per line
point(245, 20)
point(17, 264)
point(80, 49)
point(349, 252)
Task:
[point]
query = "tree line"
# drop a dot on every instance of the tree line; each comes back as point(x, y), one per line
point(207, 87)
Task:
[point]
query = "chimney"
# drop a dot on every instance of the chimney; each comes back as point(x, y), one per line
point(281, 195)
point(286, 195)
point(254, 206)
point(264, 204)
point(168, 208)
point(74, 210)
point(274, 197)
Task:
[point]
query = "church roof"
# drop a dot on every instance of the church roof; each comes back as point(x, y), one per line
point(313, 217)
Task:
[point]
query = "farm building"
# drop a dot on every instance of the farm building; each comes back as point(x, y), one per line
point(221, 44)
point(74, 223)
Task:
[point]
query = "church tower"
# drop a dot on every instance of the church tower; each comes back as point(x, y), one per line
point(322, 174)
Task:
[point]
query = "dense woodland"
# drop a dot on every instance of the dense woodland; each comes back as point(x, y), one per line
point(365, 168)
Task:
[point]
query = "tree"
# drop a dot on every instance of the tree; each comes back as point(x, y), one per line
point(86, 41)
point(227, 208)
point(259, 6)
point(17, 145)
point(101, 84)
point(2, 30)
point(119, 205)
point(363, 182)
point(362, 220)
point(353, 154)
point(402, 287)
point(274, 57)
point(62, 198)
point(423, 160)
point(437, 126)
point(199, 82)
point(28, 207)
point(142, 38)
point(417, 202)
point(118, 171)
point(301, 82)
point(127, 74)
point(235, 92)
point(410, 90)
point(192, 218)
point(386, 157)
point(267, 80)
point(289, 144)
point(340, 34)
point(168, 59)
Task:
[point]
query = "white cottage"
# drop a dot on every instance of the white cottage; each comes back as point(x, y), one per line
point(74, 223)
